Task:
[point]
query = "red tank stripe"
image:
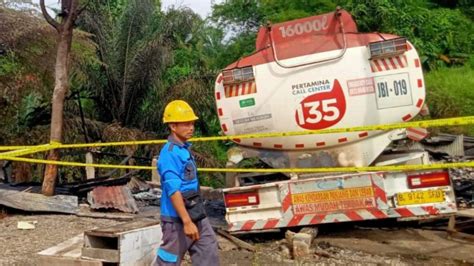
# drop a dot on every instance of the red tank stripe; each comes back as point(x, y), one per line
point(417, 131)
point(295, 220)
point(377, 213)
point(354, 216)
point(400, 62)
point(379, 68)
point(285, 204)
point(385, 64)
point(341, 140)
point(317, 219)
point(248, 225)
point(271, 223)
point(394, 66)
point(431, 210)
point(243, 87)
point(419, 103)
point(404, 212)
point(372, 67)
point(417, 62)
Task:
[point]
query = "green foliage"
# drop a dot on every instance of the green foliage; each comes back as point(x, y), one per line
point(243, 18)
point(238, 15)
point(441, 35)
point(34, 110)
point(441, 31)
point(132, 54)
point(211, 154)
point(449, 93)
point(281, 10)
point(9, 65)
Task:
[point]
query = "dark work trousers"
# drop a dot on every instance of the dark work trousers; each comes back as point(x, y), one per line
point(203, 252)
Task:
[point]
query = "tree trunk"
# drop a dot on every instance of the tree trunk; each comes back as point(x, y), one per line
point(60, 90)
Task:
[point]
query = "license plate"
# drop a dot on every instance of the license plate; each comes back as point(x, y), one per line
point(420, 197)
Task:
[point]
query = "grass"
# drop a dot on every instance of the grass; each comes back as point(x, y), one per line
point(450, 93)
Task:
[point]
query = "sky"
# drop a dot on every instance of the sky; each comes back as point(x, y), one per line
point(202, 7)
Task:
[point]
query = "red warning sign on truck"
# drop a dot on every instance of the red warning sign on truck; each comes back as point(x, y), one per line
point(339, 199)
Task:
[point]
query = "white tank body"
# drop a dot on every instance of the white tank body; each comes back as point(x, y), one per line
point(356, 89)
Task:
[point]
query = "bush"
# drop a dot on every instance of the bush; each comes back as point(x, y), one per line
point(449, 94)
point(8, 65)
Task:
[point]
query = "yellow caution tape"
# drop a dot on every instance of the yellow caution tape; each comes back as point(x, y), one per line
point(76, 164)
point(35, 149)
point(10, 148)
point(260, 170)
point(457, 121)
point(467, 120)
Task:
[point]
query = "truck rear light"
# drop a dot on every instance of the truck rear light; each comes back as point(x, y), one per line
point(241, 199)
point(388, 48)
point(428, 180)
point(237, 75)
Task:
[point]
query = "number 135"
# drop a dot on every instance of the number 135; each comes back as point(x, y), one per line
point(318, 111)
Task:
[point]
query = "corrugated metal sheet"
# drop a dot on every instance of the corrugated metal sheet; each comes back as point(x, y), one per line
point(112, 197)
point(454, 148)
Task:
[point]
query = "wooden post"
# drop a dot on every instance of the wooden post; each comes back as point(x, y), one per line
point(90, 171)
point(155, 177)
point(231, 179)
point(452, 224)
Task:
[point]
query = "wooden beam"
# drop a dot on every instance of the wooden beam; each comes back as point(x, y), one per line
point(107, 255)
point(102, 215)
point(67, 253)
point(38, 203)
point(235, 240)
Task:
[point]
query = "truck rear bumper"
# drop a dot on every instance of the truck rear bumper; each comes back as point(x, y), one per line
point(290, 220)
point(354, 197)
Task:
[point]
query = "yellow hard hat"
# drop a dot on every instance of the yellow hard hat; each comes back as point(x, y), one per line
point(178, 111)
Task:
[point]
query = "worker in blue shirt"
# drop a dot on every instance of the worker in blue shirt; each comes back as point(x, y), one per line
point(184, 226)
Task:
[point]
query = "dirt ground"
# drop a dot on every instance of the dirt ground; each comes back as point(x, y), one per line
point(19, 247)
point(335, 245)
point(351, 245)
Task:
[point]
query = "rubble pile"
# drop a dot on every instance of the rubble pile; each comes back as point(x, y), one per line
point(447, 148)
point(323, 253)
point(463, 183)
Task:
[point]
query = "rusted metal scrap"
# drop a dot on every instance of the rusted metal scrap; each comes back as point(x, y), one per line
point(112, 197)
point(81, 188)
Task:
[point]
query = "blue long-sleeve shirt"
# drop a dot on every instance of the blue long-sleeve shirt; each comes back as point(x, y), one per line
point(178, 172)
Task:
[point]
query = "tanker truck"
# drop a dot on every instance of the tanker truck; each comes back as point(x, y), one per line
point(318, 73)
